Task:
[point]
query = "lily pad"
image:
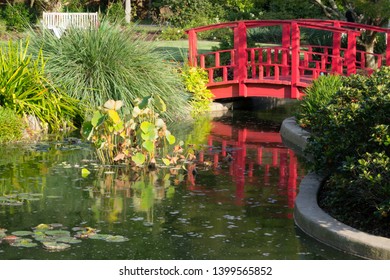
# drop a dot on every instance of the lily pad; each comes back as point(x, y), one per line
point(58, 232)
point(99, 236)
point(42, 227)
point(24, 242)
point(55, 246)
point(56, 225)
point(116, 238)
point(22, 233)
point(68, 240)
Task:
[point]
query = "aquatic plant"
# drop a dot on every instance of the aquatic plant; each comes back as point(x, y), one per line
point(137, 138)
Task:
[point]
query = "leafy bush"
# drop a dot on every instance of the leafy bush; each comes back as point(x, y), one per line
point(25, 89)
point(350, 138)
point(196, 80)
point(172, 34)
point(17, 16)
point(319, 94)
point(110, 62)
point(11, 126)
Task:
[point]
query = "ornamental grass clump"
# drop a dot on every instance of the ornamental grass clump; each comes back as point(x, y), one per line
point(110, 62)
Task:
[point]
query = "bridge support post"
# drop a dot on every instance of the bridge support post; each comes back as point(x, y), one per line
point(388, 48)
point(351, 53)
point(192, 48)
point(336, 61)
point(240, 71)
point(295, 48)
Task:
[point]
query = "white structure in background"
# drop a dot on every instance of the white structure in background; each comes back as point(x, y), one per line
point(59, 22)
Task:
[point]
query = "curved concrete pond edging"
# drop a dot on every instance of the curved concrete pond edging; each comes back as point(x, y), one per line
point(316, 223)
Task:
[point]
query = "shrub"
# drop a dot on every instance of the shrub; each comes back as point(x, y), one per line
point(96, 65)
point(17, 16)
point(25, 89)
point(11, 126)
point(196, 80)
point(350, 138)
point(319, 94)
point(172, 34)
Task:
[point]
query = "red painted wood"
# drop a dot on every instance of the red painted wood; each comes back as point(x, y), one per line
point(281, 71)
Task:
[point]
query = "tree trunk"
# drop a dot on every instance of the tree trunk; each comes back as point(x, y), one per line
point(369, 46)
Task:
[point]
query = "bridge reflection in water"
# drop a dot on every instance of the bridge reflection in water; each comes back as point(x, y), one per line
point(249, 154)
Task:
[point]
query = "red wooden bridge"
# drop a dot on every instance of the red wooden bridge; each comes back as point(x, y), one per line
point(283, 70)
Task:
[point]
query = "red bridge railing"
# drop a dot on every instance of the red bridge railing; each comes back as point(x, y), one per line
point(283, 70)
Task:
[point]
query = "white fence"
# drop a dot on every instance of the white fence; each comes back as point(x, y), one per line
point(59, 22)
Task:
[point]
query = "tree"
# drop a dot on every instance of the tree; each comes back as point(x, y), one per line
point(128, 11)
point(371, 12)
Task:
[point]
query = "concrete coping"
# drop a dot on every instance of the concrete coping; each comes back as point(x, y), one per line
point(317, 223)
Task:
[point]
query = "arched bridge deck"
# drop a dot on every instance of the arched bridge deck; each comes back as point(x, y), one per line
point(285, 69)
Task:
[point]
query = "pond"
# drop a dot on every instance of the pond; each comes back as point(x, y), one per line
point(235, 203)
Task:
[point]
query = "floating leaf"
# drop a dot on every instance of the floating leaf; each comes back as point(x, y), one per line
point(24, 242)
point(139, 158)
point(100, 236)
point(116, 238)
point(42, 227)
point(85, 172)
point(22, 233)
point(58, 232)
point(55, 246)
point(68, 240)
point(56, 225)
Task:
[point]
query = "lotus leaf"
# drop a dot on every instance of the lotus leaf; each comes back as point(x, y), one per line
point(56, 225)
point(69, 240)
point(42, 227)
point(116, 238)
point(54, 246)
point(100, 236)
point(24, 242)
point(58, 232)
point(22, 233)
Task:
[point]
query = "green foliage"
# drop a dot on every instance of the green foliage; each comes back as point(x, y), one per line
point(318, 95)
point(116, 12)
point(25, 89)
point(137, 138)
point(196, 80)
point(11, 126)
point(16, 16)
point(350, 138)
point(172, 34)
point(95, 65)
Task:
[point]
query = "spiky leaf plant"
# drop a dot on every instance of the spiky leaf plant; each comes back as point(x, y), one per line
point(110, 62)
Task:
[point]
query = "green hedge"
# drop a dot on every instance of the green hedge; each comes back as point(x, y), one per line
point(350, 138)
point(11, 126)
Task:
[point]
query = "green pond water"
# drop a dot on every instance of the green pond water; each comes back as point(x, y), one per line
point(235, 203)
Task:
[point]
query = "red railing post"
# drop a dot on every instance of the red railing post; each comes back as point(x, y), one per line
point(240, 45)
point(286, 30)
point(336, 61)
point(351, 53)
point(388, 48)
point(192, 48)
point(295, 51)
